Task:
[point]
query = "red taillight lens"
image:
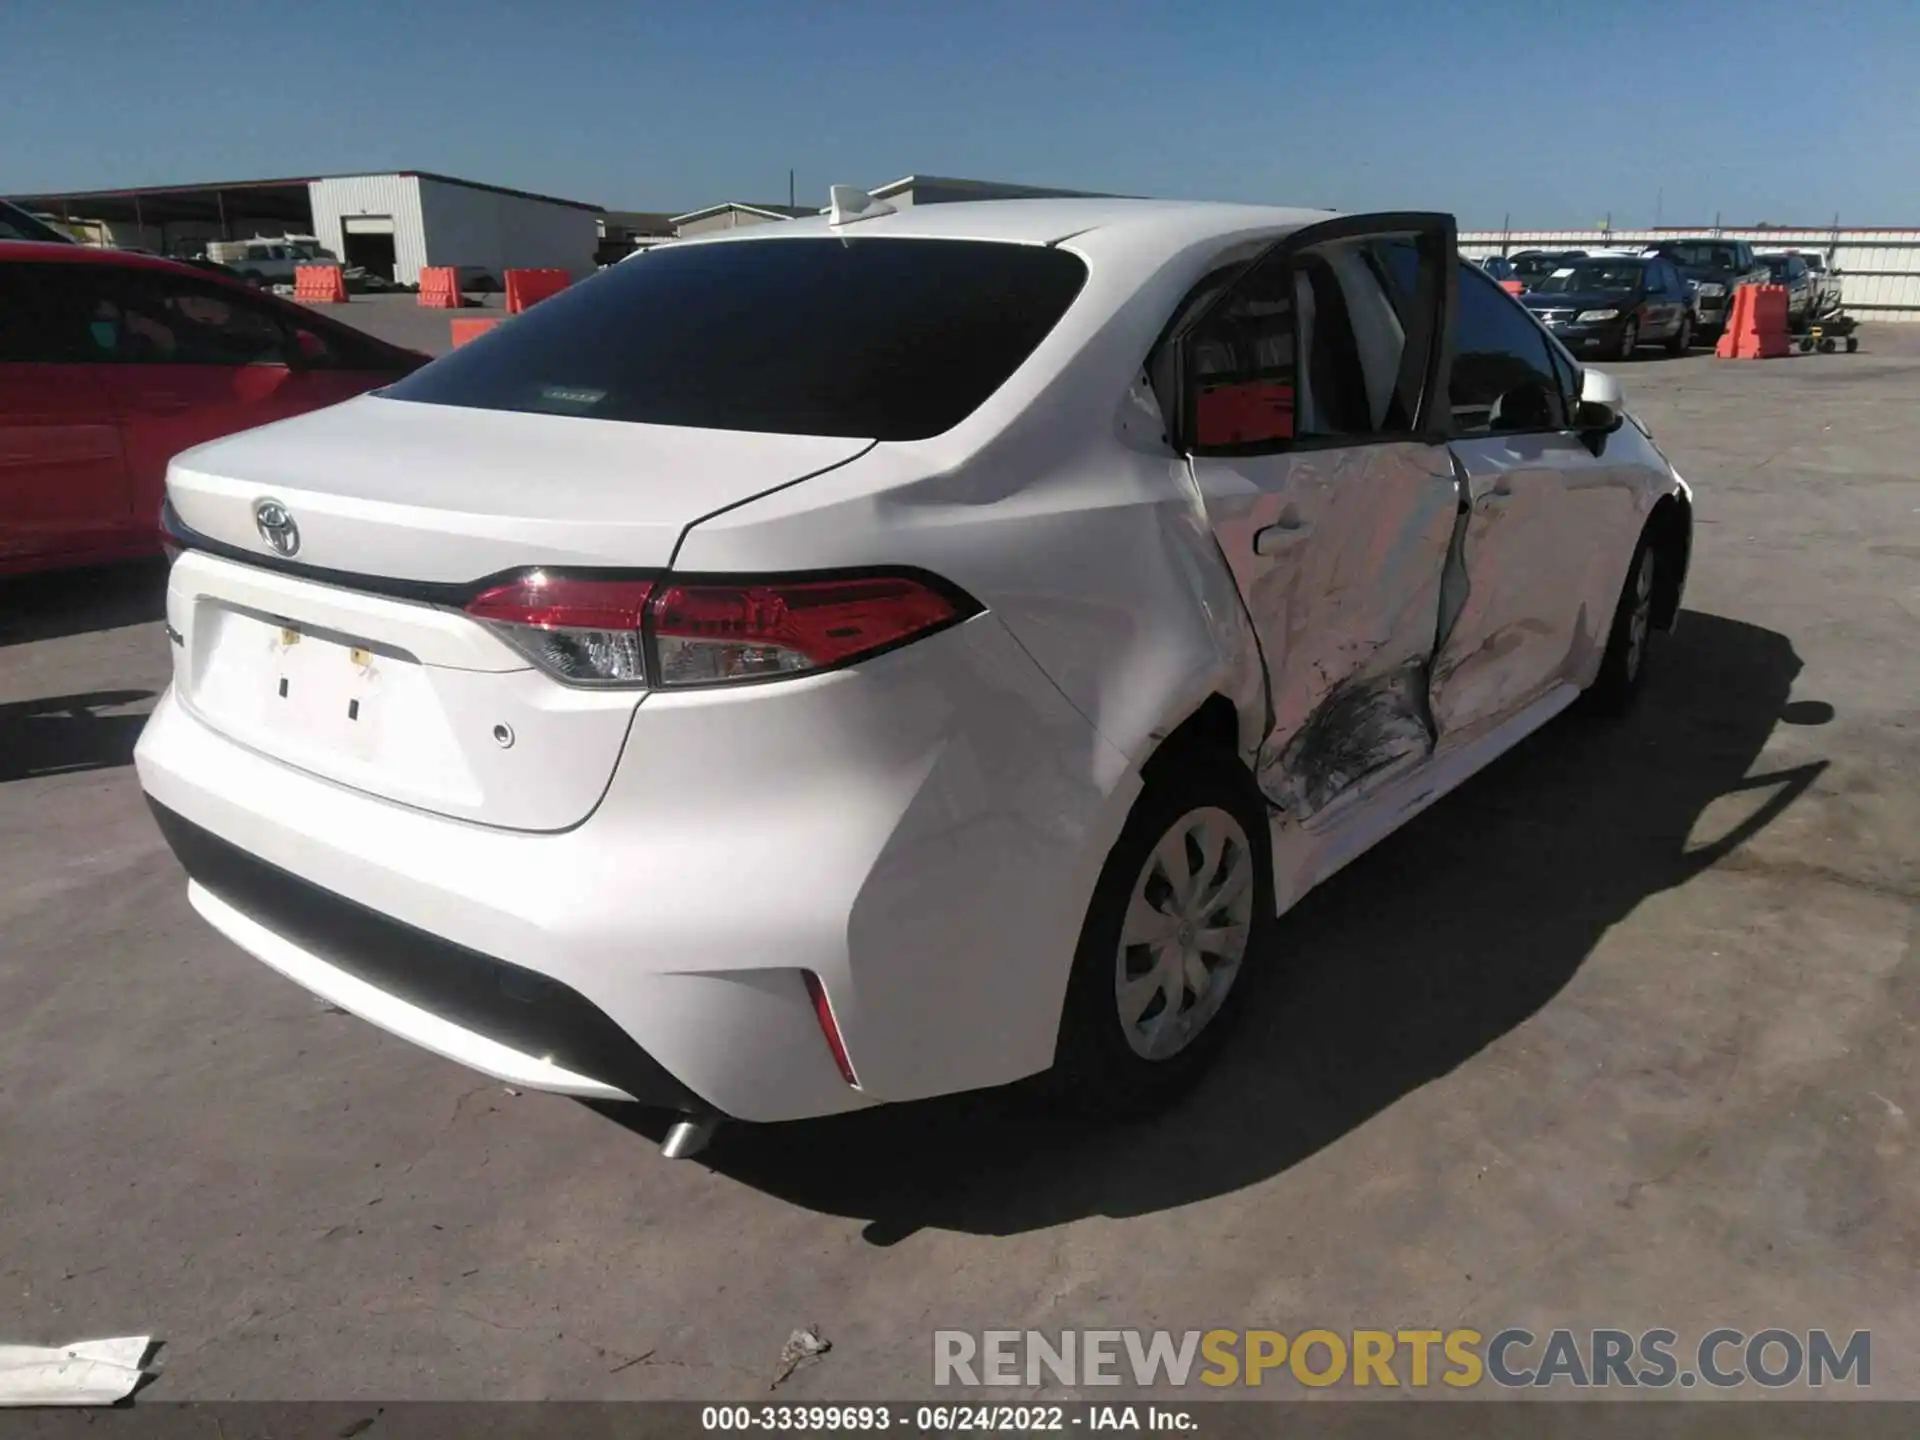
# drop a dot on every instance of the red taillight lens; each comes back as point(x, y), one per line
point(708, 633)
point(823, 1012)
point(647, 632)
point(586, 631)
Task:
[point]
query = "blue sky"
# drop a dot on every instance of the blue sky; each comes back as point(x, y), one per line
point(1554, 114)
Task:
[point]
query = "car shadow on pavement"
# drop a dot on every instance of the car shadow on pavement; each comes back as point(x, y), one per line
point(72, 602)
point(1494, 898)
point(66, 733)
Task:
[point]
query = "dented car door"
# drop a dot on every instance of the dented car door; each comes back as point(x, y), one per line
point(1532, 608)
point(1308, 396)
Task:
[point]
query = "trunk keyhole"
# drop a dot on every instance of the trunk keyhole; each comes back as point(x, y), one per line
point(503, 736)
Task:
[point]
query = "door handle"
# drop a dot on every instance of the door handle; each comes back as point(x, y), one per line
point(1280, 538)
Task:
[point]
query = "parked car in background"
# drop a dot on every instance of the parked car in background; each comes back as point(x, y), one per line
point(1533, 265)
point(1497, 266)
point(1803, 291)
point(270, 260)
point(1716, 268)
point(113, 363)
point(492, 686)
point(1826, 278)
point(1611, 305)
point(18, 224)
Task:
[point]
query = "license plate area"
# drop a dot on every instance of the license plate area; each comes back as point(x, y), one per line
point(308, 693)
point(325, 690)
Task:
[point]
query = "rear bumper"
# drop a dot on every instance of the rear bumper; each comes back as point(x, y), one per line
point(922, 833)
point(513, 1023)
point(1605, 335)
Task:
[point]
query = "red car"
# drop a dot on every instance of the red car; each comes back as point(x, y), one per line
point(112, 363)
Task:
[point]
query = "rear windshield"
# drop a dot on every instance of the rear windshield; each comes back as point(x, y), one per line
point(1705, 254)
point(880, 338)
point(1578, 275)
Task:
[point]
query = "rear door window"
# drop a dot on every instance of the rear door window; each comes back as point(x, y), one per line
point(880, 338)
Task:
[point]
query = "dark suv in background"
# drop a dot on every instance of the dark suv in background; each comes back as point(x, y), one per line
point(1611, 305)
point(1715, 268)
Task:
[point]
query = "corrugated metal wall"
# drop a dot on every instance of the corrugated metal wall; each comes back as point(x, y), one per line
point(486, 230)
point(397, 196)
point(1879, 269)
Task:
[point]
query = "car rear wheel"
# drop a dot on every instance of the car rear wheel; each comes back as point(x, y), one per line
point(1183, 906)
point(1629, 339)
point(1682, 340)
point(1623, 668)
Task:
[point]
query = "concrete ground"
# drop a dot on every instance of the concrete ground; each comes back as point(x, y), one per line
point(1621, 1034)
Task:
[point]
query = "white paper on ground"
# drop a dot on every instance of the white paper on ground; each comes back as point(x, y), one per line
point(87, 1372)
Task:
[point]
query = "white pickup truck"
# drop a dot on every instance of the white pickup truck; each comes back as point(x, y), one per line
point(267, 260)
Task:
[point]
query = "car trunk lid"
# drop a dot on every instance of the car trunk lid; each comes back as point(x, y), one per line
point(437, 493)
point(350, 658)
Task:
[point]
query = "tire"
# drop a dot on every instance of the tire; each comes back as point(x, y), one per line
point(1629, 340)
point(1853, 344)
point(1826, 345)
point(1623, 668)
point(1682, 340)
point(1121, 1057)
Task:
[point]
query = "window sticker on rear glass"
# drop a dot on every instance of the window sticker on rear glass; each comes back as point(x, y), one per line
point(569, 399)
point(1562, 274)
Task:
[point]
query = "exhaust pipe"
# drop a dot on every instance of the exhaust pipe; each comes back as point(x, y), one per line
point(688, 1137)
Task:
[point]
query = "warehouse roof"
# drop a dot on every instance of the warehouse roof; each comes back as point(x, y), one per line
point(771, 212)
point(266, 199)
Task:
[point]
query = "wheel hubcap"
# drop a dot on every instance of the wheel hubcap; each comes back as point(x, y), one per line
point(1185, 934)
point(1640, 617)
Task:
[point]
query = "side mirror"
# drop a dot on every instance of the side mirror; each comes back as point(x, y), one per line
point(1603, 405)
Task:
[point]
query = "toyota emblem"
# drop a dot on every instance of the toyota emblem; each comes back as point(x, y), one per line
point(276, 527)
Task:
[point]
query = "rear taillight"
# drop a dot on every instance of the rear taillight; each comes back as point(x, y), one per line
point(167, 523)
point(710, 632)
point(704, 634)
point(584, 631)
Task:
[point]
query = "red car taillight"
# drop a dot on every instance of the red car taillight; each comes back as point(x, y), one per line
point(584, 631)
point(667, 633)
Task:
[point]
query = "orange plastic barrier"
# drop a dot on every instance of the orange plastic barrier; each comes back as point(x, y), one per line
point(440, 287)
point(530, 287)
point(465, 330)
point(1514, 287)
point(1757, 327)
point(319, 285)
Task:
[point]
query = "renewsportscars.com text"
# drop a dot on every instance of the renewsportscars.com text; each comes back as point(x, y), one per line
point(1773, 1357)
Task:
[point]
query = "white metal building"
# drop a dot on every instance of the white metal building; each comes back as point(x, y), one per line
point(1879, 268)
point(398, 223)
point(391, 224)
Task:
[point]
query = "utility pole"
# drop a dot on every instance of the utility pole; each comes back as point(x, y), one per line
point(1659, 206)
point(790, 204)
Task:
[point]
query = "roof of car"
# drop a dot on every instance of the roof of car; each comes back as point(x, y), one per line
point(1040, 222)
point(84, 255)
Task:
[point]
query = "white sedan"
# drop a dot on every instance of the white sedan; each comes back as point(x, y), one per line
point(893, 653)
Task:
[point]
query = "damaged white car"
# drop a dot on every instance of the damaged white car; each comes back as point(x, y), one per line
point(871, 657)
